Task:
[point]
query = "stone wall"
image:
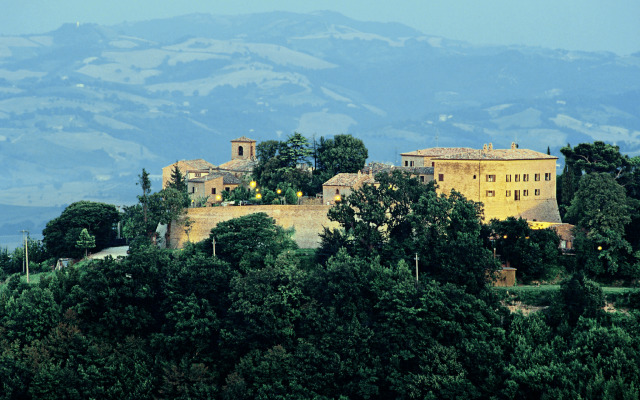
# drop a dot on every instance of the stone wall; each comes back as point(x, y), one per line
point(537, 198)
point(308, 221)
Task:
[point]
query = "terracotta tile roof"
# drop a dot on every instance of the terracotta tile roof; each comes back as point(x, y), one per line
point(227, 178)
point(197, 164)
point(498, 154)
point(243, 139)
point(349, 180)
point(437, 151)
point(239, 165)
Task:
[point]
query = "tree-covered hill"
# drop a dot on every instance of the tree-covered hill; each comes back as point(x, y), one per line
point(266, 320)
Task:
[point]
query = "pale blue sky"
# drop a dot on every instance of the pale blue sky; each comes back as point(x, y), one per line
point(592, 25)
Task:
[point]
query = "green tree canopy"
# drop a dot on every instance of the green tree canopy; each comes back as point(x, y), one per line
point(401, 218)
point(179, 183)
point(247, 241)
point(342, 154)
point(61, 233)
point(600, 210)
point(279, 163)
point(599, 157)
point(85, 241)
point(535, 253)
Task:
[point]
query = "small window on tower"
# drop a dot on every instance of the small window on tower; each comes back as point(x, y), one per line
point(440, 177)
point(240, 151)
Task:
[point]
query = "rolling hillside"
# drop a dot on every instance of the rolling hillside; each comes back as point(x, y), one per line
point(84, 108)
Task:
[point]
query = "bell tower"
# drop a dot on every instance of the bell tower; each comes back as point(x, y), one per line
point(243, 148)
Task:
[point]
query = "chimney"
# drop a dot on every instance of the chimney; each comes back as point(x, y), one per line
point(484, 148)
point(514, 146)
point(490, 146)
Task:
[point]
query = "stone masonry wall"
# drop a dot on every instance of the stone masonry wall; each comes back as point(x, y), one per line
point(308, 221)
point(469, 177)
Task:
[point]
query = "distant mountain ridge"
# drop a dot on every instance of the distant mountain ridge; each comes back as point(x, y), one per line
point(84, 108)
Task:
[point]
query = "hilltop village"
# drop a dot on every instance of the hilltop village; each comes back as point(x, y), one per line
point(508, 182)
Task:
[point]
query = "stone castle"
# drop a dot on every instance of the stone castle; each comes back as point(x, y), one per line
point(509, 182)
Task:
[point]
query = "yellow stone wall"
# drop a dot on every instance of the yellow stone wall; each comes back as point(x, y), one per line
point(469, 177)
point(308, 221)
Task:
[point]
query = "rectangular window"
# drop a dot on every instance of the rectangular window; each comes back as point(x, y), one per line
point(508, 178)
point(516, 195)
point(228, 189)
point(406, 163)
point(411, 164)
point(508, 193)
point(525, 192)
point(537, 192)
point(213, 190)
point(198, 174)
point(422, 178)
point(433, 164)
point(193, 189)
point(491, 178)
point(440, 177)
point(547, 176)
point(491, 193)
point(517, 177)
point(525, 177)
point(536, 177)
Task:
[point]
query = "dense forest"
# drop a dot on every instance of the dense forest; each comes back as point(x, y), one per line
point(396, 304)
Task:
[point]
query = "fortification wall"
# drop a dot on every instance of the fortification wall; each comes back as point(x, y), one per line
point(308, 221)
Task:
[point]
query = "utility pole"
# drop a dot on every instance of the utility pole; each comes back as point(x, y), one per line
point(26, 252)
point(417, 258)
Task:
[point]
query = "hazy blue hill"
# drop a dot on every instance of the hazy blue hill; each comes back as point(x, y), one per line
point(84, 108)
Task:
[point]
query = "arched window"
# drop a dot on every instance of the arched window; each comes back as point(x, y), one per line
point(337, 191)
point(240, 151)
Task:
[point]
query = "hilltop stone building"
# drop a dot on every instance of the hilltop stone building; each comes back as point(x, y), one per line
point(211, 186)
point(205, 180)
point(341, 185)
point(243, 157)
point(190, 169)
point(509, 182)
point(424, 158)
